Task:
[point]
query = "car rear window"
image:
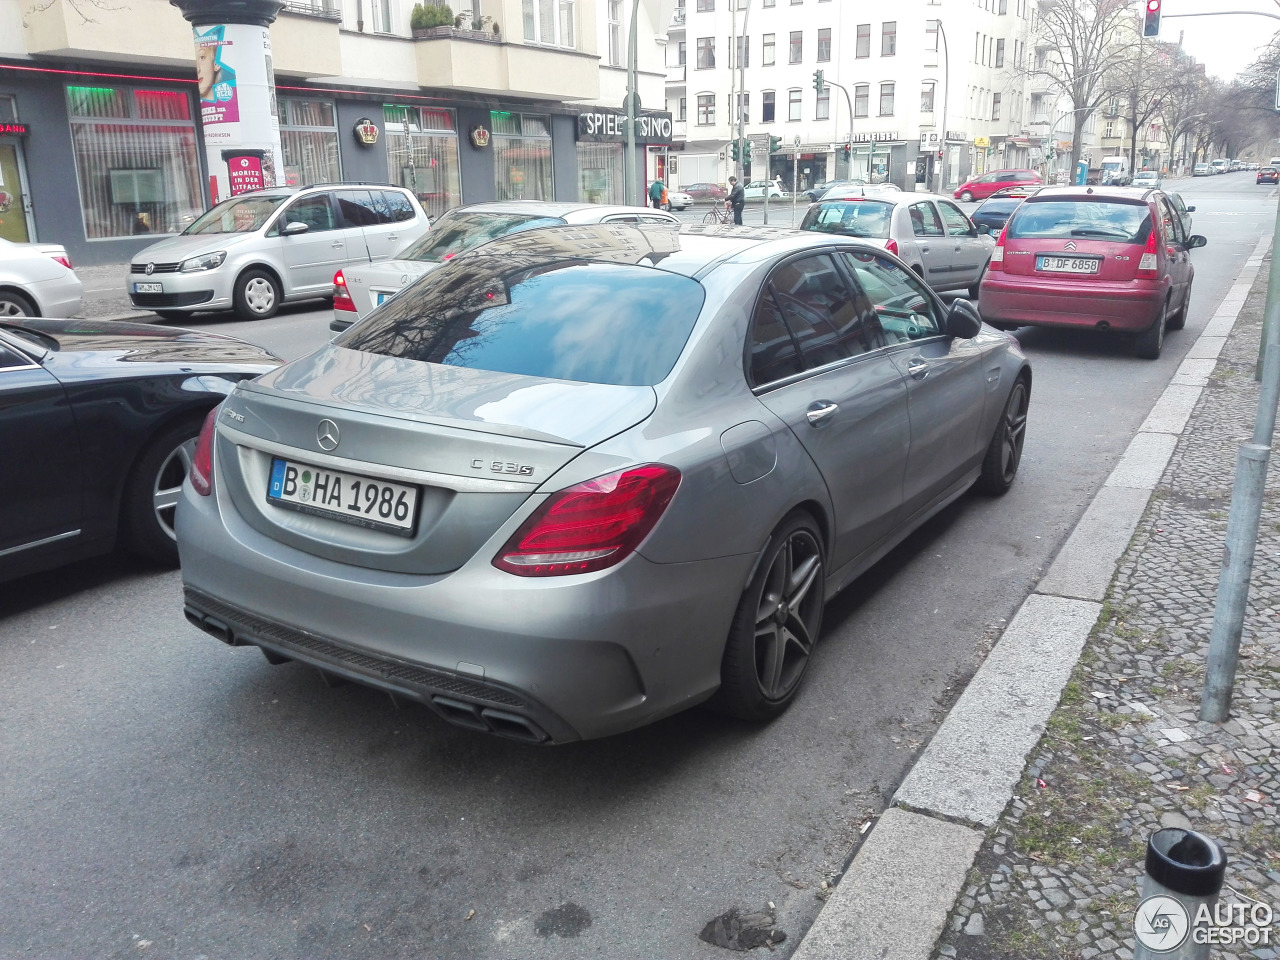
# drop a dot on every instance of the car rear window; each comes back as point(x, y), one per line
point(578, 320)
point(850, 218)
point(452, 235)
point(1113, 220)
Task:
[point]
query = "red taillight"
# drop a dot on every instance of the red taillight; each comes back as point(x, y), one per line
point(341, 298)
point(202, 463)
point(997, 254)
point(65, 261)
point(1148, 266)
point(892, 246)
point(591, 525)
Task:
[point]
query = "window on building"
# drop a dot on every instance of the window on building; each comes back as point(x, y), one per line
point(549, 21)
point(1003, 8)
point(521, 156)
point(824, 44)
point(769, 3)
point(797, 47)
point(863, 48)
point(1109, 129)
point(931, 36)
point(886, 99)
point(999, 53)
point(822, 108)
point(137, 162)
point(742, 47)
point(767, 107)
point(705, 5)
point(680, 53)
point(422, 154)
point(794, 104)
point(926, 96)
point(706, 53)
point(861, 99)
point(889, 38)
point(995, 106)
point(706, 109)
point(767, 53)
point(615, 32)
point(743, 101)
point(683, 113)
point(309, 139)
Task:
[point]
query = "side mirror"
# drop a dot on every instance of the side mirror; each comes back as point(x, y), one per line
point(984, 230)
point(1191, 209)
point(293, 228)
point(963, 320)
point(1196, 241)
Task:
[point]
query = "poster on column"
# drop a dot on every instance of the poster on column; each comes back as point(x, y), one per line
point(238, 107)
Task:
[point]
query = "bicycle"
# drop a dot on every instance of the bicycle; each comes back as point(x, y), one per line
point(719, 213)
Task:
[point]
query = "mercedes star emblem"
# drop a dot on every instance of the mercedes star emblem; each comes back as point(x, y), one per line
point(327, 435)
point(151, 268)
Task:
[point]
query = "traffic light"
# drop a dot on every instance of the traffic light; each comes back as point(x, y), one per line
point(775, 144)
point(1151, 28)
point(819, 83)
point(733, 151)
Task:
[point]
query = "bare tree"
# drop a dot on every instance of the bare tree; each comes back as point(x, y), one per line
point(1186, 103)
point(1141, 85)
point(1080, 44)
point(84, 8)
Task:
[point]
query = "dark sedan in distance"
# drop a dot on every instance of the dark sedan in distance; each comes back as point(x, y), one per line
point(994, 212)
point(98, 421)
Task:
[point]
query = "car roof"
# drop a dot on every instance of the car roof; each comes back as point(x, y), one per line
point(690, 250)
point(1123, 194)
point(544, 208)
point(897, 197)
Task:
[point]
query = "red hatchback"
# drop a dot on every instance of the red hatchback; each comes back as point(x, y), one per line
point(1106, 258)
point(979, 188)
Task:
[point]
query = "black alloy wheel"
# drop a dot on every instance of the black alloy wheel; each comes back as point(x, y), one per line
point(1004, 455)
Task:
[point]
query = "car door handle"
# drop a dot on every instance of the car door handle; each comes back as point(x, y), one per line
point(393, 236)
point(924, 248)
point(337, 244)
point(917, 368)
point(819, 411)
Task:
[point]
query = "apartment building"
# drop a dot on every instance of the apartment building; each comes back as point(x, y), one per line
point(103, 141)
point(903, 83)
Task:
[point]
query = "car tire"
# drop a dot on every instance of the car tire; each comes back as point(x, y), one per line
point(13, 304)
point(975, 289)
point(1004, 453)
point(776, 625)
point(172, 316)
point(1148, 345)
point(152, 490)
point(257, 295)
point(1180, 321)
point(966, 197)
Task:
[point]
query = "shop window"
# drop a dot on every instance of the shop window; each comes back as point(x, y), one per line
point(422, 154)
point(309, 138)
point(521, 156)
point(600, 177)
point(8, 110)
point(137, 161)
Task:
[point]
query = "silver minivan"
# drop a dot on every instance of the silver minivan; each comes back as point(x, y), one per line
point(253, 252)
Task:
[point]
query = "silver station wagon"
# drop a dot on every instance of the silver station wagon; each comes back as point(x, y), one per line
point(584, 477)
point(253, 252)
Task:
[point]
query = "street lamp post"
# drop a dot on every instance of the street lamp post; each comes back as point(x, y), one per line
point(946, 93)
point(629, 183)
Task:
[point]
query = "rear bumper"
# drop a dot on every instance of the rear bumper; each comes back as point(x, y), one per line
point(550, 660)
point(62, 297)
point(1130, 307)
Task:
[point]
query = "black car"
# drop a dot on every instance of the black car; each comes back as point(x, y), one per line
point(994, 212)
point(98, 422)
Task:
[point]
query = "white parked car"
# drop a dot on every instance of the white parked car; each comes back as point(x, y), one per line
point(357, 290)
point(1146, 178)
point(678, 200)
point(37, 280)
point(755, 190)
point(253, 252)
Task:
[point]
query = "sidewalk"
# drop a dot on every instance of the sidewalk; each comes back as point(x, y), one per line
point(1020, 832)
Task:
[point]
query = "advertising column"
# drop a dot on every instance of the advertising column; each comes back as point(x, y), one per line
point(236, 88)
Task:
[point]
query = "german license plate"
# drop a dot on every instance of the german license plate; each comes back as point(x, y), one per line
point(383, 296)
point(349, 497)
point(1068, 264)
point(148, 288)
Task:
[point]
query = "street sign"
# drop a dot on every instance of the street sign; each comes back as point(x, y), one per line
point(982, 141)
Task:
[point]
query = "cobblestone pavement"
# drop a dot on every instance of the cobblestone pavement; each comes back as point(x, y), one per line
point(1124, 753)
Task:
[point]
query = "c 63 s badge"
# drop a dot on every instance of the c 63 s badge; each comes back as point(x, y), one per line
point(503, 466)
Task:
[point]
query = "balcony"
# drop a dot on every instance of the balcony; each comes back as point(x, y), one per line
point(676, 75)
point(307, 44)
point(57, 29)
point(482, 66)
point(679, 129)
point(677, 17)
point(323, 9)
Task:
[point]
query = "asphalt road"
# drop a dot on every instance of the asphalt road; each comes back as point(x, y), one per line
point(165, 796)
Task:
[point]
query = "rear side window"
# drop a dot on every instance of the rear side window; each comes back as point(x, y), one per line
point(397, 205)
point(850, 218)
point(565, 320)
point(1089, 219)
point(362, 208)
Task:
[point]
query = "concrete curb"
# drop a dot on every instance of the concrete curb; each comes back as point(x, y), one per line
point(893, 901)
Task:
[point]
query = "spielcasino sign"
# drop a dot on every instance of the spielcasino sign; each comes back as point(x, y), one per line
point(610, 126)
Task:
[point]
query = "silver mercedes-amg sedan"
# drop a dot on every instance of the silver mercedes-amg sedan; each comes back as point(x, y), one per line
point(584, 477)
